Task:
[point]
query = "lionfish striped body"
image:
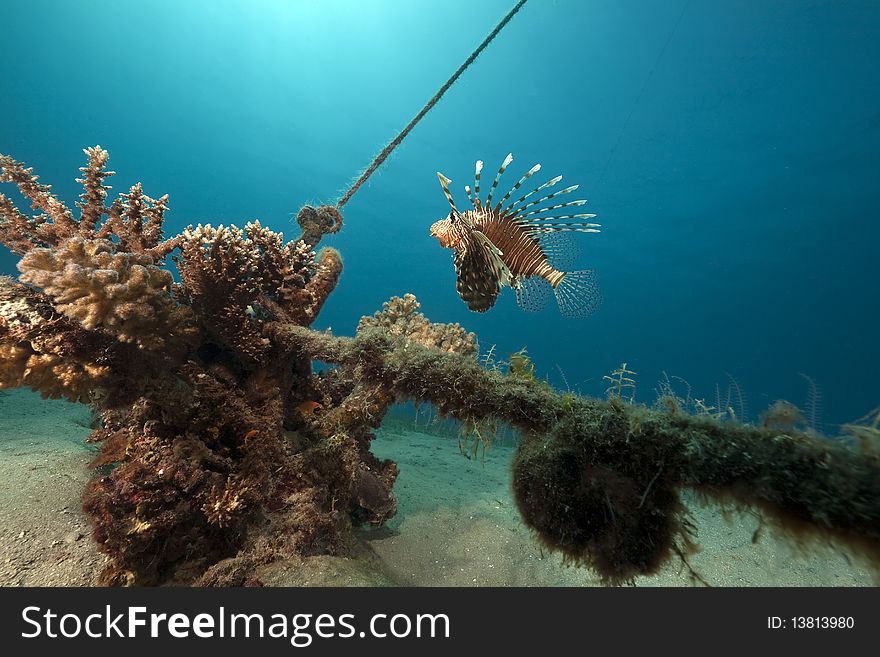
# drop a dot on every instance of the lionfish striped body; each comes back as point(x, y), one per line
point(513, 244)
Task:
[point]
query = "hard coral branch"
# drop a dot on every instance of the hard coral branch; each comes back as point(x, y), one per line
point(134, 220)
point(95, 191)
point(401, 316)
point(41, 231)
point(121, 293)
point(46, 351)
point(219, 268)
point(236, 279)
point(205, 455)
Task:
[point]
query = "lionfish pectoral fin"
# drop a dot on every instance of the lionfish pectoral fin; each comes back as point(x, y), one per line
point(497, 267)
point(480, 272)
point(577, 293)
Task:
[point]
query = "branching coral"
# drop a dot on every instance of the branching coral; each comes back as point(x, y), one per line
point(122, 293)
point(196, 401)
point(401, 316)
point(46, 351)
point(237, 279)
point(220, 269)
point(104, 276)
point(134, 219)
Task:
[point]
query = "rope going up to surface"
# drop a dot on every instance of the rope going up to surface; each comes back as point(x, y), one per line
point(381, 157)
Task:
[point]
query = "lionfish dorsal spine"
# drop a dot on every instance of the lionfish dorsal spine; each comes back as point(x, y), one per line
point(553, 227)
point(528, 174)
point(504, 165)
point(547, 197)
point(444, 183)
point(478, 169)
point(550, 183)
point(551, 208)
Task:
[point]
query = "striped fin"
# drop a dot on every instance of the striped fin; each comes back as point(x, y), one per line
point(527, 175)
point(478, 169)
point(544, 221)
point(499, 270)
point(536, 229)
point(522, 198)
point(552, 207)
point(467, 190)
point(479, 272)
point(444, 183)
point(567, 190)
point(504, 165)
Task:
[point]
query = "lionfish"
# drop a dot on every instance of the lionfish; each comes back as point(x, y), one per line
point(514, 244)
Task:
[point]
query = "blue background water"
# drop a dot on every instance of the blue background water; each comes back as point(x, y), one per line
point(730, 148)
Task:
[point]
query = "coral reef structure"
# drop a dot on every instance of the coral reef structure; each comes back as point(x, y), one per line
point(203, 445)
point(214, 460)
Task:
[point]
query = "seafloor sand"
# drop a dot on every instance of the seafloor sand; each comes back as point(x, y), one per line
point(45, 539)
point(456, 525)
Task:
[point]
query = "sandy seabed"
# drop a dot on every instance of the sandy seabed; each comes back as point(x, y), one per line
point(456, 525)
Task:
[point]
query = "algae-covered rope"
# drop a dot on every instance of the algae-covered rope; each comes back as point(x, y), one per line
point(601, 481)
point(381, 157)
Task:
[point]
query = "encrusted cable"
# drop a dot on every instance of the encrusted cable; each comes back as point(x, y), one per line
point(381, 157)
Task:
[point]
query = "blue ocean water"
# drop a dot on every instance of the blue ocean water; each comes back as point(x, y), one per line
point(731, 150)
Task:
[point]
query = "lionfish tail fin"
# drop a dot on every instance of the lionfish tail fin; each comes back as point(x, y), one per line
point(444, 183)
point(577, 294)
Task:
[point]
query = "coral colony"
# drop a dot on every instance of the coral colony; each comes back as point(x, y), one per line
point(214, 464)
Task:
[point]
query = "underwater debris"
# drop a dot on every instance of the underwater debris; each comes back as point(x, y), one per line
point(394, 143)
point(317, 222)
point(621, 379)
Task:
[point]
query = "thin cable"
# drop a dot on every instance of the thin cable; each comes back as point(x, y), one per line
point(642, 92)
point(381, 157)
